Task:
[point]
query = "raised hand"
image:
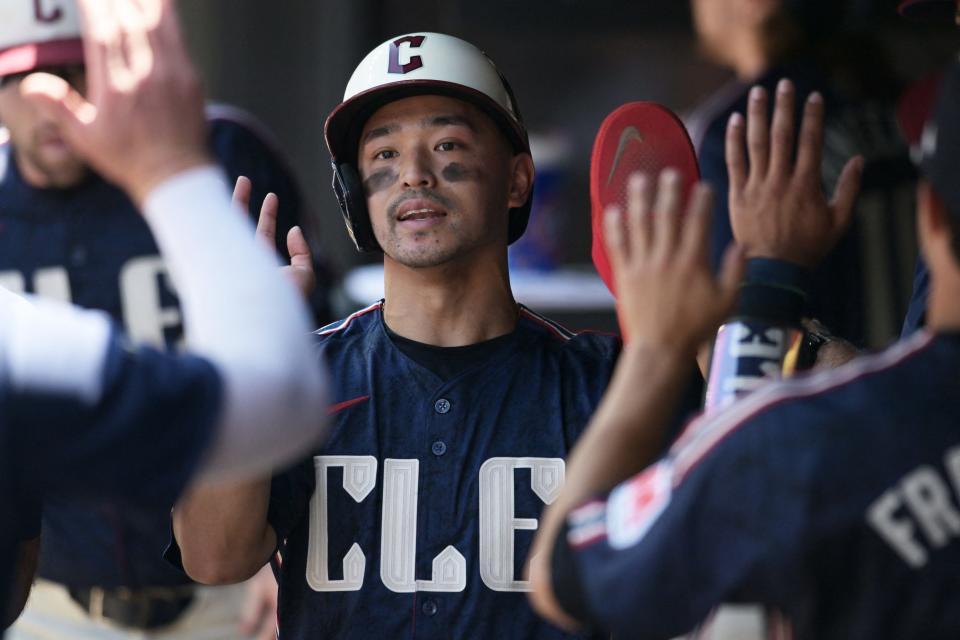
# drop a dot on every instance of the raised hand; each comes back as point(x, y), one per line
point(777, 205)
point(668, 296)
point(258, 620)
point(300, 270)
point(141, 120)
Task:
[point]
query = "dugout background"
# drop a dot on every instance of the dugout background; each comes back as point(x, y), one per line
point(570, 62)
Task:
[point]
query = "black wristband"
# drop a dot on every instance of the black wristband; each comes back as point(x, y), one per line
point(774, 290)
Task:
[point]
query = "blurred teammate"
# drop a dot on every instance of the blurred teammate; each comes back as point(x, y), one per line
point(917, 108)
point(454, 406)
point(82, 413)
point(69, 234)
point(833, 499)
point(861, 287)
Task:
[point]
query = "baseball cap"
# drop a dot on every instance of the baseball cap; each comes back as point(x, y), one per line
point(38, 34)
point(927, 8)
point(941, 143)
point(418, 64)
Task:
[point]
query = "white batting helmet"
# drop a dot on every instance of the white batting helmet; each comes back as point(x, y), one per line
point(421, 63)
point(409, 65)
point(38, 33)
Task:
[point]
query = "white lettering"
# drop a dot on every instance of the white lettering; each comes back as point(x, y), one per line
point(398, 537)
point(359, 479)
point(768, 344)
point(898, 533)
point(12, 281)
point(498, 521)
point(52, 284)
point(952, 462)
point(929, 500)
point(146, 317)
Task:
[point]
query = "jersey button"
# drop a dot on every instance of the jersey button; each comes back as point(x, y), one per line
point(429, 608)
point(439, 448)
point(441, 406)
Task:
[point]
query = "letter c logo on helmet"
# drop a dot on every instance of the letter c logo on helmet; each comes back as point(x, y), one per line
point(410, 65)
point(38, 34)
point(415, 62)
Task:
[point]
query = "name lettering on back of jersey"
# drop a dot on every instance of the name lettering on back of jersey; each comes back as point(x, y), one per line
point(920, 513)
point(398, 542)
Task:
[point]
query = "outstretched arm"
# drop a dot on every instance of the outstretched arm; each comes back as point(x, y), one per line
point(670, 302)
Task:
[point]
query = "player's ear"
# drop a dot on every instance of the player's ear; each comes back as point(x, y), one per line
point(521, 179)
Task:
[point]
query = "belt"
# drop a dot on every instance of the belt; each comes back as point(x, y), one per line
point(146, 608)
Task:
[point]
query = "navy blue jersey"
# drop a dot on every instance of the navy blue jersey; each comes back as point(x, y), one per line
point(833, 499)
point(416, 517)
point(917, 311)
point(140, 443)
point(88, 245)
point(861, 288)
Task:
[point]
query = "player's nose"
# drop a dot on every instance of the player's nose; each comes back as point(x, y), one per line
point(416, 170)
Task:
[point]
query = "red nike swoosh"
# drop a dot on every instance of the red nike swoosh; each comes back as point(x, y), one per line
point(340, 406)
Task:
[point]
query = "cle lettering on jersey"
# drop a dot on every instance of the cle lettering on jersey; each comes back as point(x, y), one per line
point(143, 281)
point(498, 524)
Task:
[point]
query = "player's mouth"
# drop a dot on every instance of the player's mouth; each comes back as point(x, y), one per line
point(418, 210)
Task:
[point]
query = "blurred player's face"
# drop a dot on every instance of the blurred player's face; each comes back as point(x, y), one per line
point(439, 178)
point(719, 23)
point(42, 156)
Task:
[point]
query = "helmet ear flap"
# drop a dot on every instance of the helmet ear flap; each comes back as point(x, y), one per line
point(353, 205)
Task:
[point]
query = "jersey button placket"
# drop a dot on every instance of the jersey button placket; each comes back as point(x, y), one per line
point(429, 608)
point(442, 406)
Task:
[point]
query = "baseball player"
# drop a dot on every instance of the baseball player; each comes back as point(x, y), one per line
point(921, 282)
point(833, 499)
point(69, 234)
point(81, 411)
point(454, 407)
point(860, 288)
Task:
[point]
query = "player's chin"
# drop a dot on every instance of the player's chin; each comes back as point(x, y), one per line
point(64, 170)
point(424, 252)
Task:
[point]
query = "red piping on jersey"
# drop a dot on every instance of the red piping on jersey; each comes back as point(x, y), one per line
point(346, 321)
point(556, 329)
point(704, 434)
point(340, 406)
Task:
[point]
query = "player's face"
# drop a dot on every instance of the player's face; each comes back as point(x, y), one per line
point(718, 22)
point(439, 180)
point(42, 156)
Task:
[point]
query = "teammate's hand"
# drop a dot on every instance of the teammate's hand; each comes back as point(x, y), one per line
point(300, 270)
point(668, 296)
point(777, 206)
point(259, 617)
point(142, 119)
